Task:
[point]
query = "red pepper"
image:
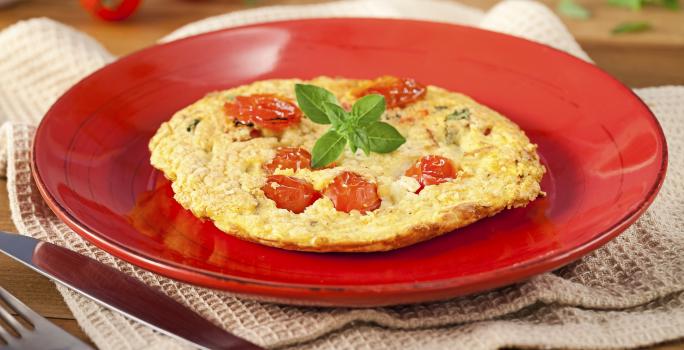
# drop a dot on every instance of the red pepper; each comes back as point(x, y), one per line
point(111, 10)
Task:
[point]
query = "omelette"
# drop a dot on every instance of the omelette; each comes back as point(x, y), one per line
point(242, 158)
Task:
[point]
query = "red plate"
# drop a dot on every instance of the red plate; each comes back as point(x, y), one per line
point(605, 153)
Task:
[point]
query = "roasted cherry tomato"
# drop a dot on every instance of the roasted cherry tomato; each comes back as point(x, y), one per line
point(290, 193)
point(265, 110)
point(432, 170)
point(350, 191)
point(111, 10)
point(398, 92)
point(294, 158)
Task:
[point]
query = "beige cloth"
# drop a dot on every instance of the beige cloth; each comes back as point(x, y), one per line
point(629, 293)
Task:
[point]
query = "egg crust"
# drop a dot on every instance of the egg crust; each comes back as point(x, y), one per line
point(216, 167)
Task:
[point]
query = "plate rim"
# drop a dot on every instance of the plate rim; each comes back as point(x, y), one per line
point(501, 276)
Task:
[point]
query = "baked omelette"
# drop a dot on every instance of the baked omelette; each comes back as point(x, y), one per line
point(243, 158)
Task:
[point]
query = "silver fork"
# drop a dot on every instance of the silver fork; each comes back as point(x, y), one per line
point(44, 334)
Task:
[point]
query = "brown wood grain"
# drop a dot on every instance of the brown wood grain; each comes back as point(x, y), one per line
point(34, 290)
point(641, 59)
point(645, 59)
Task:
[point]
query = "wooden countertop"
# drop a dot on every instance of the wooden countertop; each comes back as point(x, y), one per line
point(641, 59)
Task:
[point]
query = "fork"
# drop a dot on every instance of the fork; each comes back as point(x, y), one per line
point(43, 335)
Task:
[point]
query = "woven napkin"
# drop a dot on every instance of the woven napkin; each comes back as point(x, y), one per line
point(629, 293)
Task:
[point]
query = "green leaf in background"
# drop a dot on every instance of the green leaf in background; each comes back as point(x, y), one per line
point(671, 4)
point(634, 5)
point(336, 114)
point(384, 138)
point(368, 109)
point(631, 27)
point(310, 99)
point(571, 9)
point(327, 149)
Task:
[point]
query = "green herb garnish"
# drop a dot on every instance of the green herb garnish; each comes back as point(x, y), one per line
point(671, 4)
point(569, 8)
point(361, 128)
point(631, 27)
point(630, 4)
point(192, 125)
point(638, 4)
point(458, 114)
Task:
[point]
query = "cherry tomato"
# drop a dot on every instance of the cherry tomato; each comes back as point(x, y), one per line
point(350, 191)
point(432, 170)
point(398, 92)
point(290, 193)
point(294, 158)
point(265, 110)
point(109, 10)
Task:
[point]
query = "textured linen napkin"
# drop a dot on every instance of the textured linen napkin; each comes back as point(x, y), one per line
point(629, 293)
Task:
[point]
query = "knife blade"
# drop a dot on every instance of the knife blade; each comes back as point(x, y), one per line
point(119, 292)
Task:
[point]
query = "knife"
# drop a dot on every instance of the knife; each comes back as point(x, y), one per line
point(117, 291)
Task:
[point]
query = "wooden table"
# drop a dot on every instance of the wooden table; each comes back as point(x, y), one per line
point(644, 59)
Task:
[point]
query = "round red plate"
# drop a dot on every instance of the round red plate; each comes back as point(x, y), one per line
point(605, 153)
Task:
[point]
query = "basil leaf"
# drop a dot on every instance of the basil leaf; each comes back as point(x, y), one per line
point(353, 147)
point(368, 109)
point(631, 27)
point(310, 99)
point(336, 114)
point(569, 8)
point(630, 4)
point(671, 4)
point(360, 128)
point(636, 5)
point(327, 149)
point(365, 143)
point(383, 138)
point(359, 138)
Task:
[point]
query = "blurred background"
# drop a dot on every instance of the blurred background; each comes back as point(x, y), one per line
point(641, 42)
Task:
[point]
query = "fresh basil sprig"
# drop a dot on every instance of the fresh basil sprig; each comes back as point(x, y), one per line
point(636, 5)
point(571, 9)
point(631, 27)
point(361, 128)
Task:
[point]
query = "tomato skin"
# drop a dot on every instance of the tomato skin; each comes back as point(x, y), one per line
point(294, 158)
point(432, 170)
point(398, 92)
point(350, 191)
point(265, 110)
point(290, 193)
point(119, 12)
